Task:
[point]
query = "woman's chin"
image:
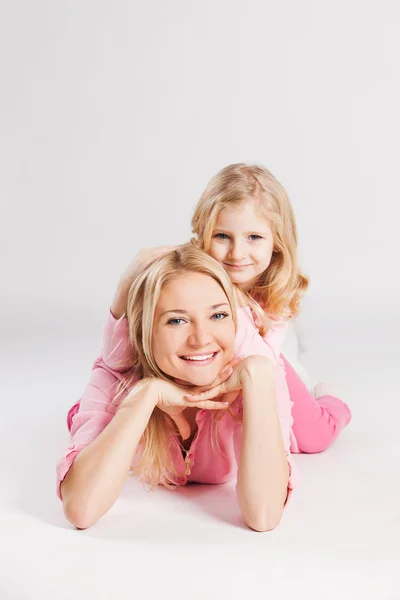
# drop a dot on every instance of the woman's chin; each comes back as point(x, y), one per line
point(198, 378)
point(201, 381)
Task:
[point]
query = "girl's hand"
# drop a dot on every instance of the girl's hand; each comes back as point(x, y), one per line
point(135, 267)
point(142, 260)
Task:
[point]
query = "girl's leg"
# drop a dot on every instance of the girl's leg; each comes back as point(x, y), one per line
point(316, 421)
point(71, 413)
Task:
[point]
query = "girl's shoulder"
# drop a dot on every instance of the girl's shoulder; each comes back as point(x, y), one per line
point(272, 320)
point(250, 340)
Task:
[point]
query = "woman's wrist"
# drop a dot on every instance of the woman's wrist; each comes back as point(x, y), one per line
point(256, 367)
point(145, 391)
point(258, 378)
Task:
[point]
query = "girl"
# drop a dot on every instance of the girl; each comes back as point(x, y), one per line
point(182, 322)
point(244, 220)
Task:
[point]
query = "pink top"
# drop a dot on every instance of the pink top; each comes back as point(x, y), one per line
point(206, 466)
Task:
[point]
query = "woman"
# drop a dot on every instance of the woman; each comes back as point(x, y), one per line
point(182, 325)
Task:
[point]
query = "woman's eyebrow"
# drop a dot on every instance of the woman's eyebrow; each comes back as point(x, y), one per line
point(179, 311)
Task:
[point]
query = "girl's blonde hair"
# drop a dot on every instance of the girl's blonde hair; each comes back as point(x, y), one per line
point(280, 288)
point(154, 464)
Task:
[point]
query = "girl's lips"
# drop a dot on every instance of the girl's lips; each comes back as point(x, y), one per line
point(201, 362)
point(236, 267)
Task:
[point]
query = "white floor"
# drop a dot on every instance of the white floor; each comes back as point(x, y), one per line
point(339, 538)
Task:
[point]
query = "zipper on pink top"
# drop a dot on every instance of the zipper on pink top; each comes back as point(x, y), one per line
point(189, 463)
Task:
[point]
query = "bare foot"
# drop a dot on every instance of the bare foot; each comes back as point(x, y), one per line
point(322, 389)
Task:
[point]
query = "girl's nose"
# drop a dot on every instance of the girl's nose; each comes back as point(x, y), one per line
point(236, 251)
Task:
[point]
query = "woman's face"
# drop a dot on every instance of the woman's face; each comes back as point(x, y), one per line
point(193, 332)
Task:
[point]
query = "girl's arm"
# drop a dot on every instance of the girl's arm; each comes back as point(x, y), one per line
point(249, 322)
point(115, 339)
point(249, 340)
point(120, 299)
point(276, 336)
point(263, 473)
point(116, 350)
point(96, 477)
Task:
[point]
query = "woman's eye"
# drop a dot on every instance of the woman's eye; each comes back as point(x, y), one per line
point(175, 321)
point(255, 237)
point(219, 316)
point(222, 236)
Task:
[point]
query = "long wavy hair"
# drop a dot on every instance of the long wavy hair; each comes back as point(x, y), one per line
point(278, 291)
point(153, 461)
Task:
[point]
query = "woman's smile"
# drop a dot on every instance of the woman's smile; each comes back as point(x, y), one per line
point(194, 332)
point(199, 360)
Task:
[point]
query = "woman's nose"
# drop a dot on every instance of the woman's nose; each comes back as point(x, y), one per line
point(200, 336)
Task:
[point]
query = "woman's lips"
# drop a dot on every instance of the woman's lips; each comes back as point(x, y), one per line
point(199, 360)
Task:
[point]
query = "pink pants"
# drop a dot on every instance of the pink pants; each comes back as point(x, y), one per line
point(316, 422)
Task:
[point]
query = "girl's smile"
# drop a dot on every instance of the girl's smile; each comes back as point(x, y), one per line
point(242, 242)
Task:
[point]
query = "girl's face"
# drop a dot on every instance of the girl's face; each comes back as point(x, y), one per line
point(193, 331)
point(242, 242)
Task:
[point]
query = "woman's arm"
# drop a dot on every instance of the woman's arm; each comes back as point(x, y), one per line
point(98, 473)
point(261, 442)
point(263, 472)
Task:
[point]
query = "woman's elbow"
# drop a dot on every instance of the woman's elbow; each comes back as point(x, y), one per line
point(78, 516)
point(266, 521)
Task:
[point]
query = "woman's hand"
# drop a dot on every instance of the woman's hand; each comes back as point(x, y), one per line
point(176, 412)
point(170, 396)
point(135, 267)
point(231, 387)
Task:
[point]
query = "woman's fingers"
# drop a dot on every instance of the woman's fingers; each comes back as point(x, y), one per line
point(210, 404)
point(231, 396)
point(221, 377)
point(213, 393)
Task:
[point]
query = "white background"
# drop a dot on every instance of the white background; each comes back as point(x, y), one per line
point(114, 115)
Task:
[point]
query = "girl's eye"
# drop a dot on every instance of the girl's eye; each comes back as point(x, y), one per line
point(176, 321)
point(222, 236)
point(255, 237)
point(220, 316)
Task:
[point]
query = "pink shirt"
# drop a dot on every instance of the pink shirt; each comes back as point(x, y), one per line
point(206, 466)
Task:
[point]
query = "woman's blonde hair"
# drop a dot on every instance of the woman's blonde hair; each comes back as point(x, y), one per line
point(280, 288)
point(154, 463)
